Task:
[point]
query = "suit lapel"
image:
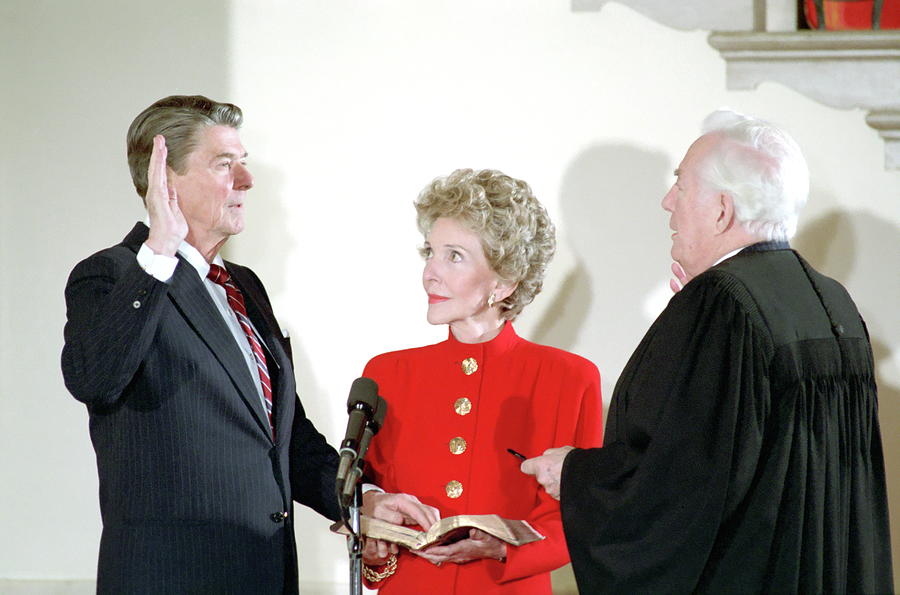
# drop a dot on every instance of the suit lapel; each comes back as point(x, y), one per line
point(282, 382)
point(193, 301)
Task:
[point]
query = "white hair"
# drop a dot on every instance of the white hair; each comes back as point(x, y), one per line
point(763, 170)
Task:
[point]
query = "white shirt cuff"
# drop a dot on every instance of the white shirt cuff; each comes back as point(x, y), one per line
point(371, 487)
point(160, 266)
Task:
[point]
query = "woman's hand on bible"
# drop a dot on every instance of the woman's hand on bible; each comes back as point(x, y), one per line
point(376, 552)
point(479, 545)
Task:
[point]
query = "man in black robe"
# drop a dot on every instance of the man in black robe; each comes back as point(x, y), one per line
point(742, 449)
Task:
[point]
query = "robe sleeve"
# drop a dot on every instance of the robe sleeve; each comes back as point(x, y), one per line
point(684, 432)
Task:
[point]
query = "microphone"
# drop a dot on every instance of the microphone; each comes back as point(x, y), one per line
point(372, 426)
point(361, 404)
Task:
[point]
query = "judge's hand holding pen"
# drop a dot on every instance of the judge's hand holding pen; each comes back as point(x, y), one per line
point(547, 468)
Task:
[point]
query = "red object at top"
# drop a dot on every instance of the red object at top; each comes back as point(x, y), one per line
point(853, 14)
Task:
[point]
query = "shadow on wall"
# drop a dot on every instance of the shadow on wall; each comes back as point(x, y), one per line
point(82, 72)
point(612, 222)
point(266, 241)
point(266, 245)
point(614, 225)
point(862, 251)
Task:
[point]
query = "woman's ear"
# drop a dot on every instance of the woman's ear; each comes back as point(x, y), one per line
point(503, 290)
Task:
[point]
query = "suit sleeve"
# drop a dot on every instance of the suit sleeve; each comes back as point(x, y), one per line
point(113, 310)
point(313, 467)
point(578, 423)
point(642, 513)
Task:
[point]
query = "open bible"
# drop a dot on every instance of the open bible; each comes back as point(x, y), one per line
point(447, 530)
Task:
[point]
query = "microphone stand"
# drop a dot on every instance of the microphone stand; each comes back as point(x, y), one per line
point(349, 495)
point(354, 543)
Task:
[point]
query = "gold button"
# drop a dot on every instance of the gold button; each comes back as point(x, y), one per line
point(454, 489)
point(462, 406)
point(458, 445)
point(469, 366)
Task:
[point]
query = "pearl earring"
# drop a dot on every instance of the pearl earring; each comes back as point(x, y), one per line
point(491, 301)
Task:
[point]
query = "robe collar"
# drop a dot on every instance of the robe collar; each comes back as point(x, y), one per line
point(757, 247)
point(767, 246)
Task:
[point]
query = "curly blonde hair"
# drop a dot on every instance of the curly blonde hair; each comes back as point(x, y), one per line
point(516, 233)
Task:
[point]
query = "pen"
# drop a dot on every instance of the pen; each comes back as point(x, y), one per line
point(518, 455)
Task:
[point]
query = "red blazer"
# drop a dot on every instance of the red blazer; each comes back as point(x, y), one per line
point(521, 395)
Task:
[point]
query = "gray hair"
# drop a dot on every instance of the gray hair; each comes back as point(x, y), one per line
point(179, 118)
point(762, 168)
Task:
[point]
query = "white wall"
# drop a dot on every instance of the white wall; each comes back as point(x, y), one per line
point(350, 109)
point(74, 76)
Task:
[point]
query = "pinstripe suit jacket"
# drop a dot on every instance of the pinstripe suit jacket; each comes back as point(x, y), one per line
point(193, 489)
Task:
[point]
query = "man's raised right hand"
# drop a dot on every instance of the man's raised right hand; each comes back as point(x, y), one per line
point(168, 227)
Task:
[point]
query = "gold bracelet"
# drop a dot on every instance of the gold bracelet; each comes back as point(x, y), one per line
point(390, 567)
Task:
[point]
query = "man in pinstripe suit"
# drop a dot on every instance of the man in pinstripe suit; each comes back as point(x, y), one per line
point(196, 482)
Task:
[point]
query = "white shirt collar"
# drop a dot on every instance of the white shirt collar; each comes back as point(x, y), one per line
point(196, 260)
point(726, 257)
point(193, 256)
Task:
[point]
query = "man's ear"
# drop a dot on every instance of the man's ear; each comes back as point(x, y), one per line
point(725, 219)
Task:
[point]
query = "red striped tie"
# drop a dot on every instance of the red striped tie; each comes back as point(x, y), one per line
point(220, 276)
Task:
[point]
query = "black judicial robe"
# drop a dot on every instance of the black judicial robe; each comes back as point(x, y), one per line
point(742, 449)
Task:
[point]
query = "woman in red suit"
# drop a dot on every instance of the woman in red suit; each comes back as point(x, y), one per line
point(457, 406)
